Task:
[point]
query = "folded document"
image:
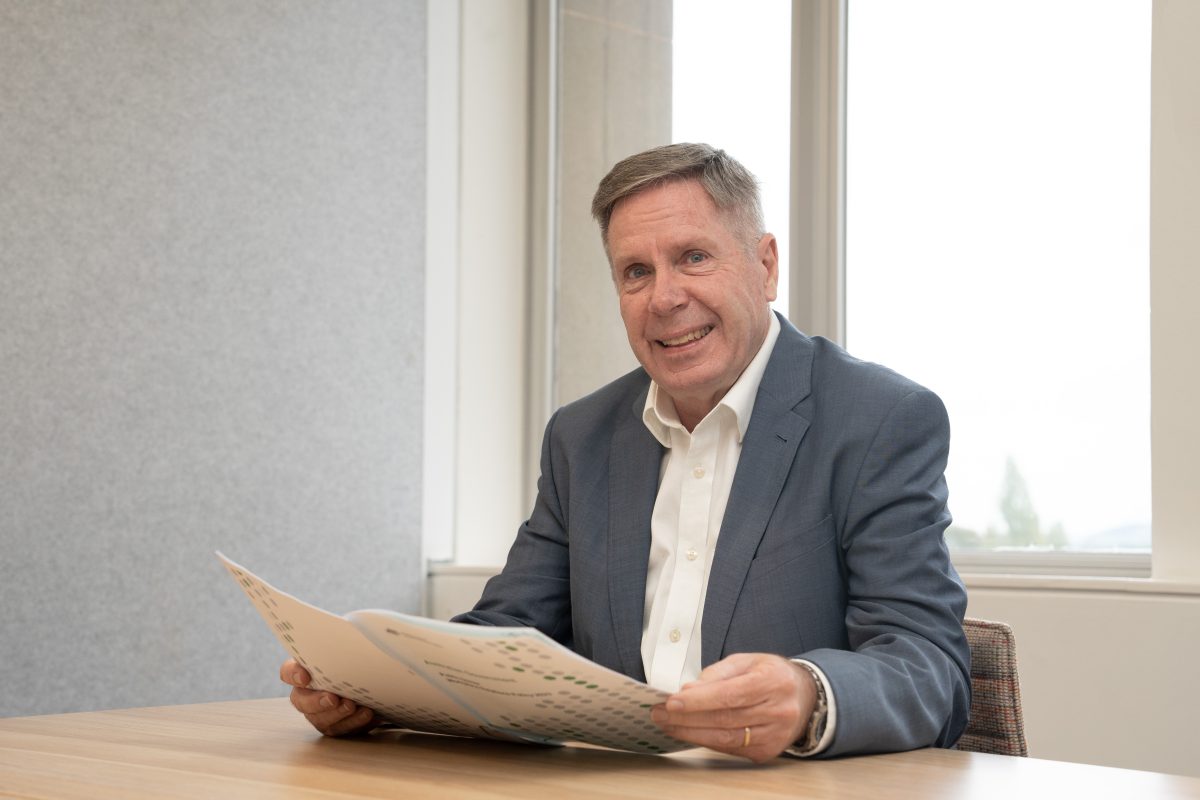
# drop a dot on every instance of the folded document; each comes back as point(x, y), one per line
point(515, 684)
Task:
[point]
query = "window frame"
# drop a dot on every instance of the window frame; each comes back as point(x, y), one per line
point(818, 279)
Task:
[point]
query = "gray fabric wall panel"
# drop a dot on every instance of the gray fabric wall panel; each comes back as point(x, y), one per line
point(211, 259)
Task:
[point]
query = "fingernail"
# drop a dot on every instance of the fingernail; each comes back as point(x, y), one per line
point(347, 706)
point(326, 701)
point(674, 705)
point(296, 679)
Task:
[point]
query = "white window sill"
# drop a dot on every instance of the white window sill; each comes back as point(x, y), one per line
point(1065, 571)
point(1056, 563)
point(1078, 583)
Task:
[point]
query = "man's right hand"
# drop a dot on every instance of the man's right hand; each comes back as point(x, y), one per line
point(325, 711)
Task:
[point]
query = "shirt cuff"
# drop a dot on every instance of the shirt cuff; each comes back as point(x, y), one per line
point(830, 719)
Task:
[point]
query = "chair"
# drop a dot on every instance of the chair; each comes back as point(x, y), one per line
point(996, 724)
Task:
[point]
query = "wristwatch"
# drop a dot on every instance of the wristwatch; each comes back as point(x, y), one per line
point(820, 714)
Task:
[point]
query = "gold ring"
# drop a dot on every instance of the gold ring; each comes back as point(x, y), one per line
point(746, 736)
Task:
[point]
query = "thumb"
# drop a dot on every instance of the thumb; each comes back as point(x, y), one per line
point(728, 667)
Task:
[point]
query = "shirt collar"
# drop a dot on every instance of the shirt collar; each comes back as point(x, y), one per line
point(659, 414)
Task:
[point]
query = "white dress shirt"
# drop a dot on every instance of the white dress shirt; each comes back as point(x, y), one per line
point(695, 478)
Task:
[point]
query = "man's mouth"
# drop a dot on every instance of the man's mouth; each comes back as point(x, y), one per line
point(691, 336)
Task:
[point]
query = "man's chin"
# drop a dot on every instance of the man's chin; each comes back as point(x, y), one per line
point(684, 385)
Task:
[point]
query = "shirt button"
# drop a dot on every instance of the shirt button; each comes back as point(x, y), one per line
point(674, 636)
point(691, 555)
point(698, 472)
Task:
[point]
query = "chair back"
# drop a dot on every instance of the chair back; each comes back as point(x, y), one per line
point(996, 724)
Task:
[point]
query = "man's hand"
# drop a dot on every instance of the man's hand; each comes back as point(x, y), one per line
point(328, 713)
point(766, 694)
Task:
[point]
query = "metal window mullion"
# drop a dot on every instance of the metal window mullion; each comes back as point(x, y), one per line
point(818, 186)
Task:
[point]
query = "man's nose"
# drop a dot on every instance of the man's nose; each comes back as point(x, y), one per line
point(668, 292)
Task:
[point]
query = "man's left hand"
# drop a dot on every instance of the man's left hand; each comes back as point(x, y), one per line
point(754, 705)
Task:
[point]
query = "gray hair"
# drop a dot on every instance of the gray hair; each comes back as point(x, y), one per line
point(733, 189)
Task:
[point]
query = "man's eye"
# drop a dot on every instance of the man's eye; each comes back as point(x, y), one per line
point(636, 271)
point(695, 258)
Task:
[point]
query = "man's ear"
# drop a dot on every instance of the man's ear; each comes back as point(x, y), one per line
point(767, 255)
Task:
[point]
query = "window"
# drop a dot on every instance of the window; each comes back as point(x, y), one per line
point(731, 79)
point(997, 224)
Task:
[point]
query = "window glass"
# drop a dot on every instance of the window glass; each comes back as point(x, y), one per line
point(997, 251)
point(731, 88)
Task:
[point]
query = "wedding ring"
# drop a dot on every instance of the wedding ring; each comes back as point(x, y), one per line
point(746, 736)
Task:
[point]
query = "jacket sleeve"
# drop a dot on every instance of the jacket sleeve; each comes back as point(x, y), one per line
point(905, 681)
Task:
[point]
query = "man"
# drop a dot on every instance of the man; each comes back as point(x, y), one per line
point(752, 521)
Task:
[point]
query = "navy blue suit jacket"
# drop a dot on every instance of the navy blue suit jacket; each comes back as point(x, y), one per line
point(831, 547)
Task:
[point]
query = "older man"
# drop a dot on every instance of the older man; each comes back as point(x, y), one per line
point(753, 520)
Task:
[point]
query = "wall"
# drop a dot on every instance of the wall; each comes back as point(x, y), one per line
point(1106, 672)
point(210, 335)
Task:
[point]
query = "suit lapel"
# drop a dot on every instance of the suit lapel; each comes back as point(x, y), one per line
point(768, 451)
point(634, 460)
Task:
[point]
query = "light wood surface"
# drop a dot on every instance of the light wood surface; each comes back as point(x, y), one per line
point(262, 748)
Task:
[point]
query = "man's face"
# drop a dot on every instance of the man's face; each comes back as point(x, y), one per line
point(694, 297)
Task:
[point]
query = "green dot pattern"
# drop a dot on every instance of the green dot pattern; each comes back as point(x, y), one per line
point(598, 707)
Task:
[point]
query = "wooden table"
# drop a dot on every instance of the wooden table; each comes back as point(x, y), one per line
point(262, 748)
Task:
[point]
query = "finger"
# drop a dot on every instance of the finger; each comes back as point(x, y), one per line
point(765, 743)
point(726, 718)
point(739, 691)
point(315, 701)
point(741, 681)
point(779, 722)
point(329, 714)
point(728, 667)
point(358, 722)
point(768, 697)
point(293, 674)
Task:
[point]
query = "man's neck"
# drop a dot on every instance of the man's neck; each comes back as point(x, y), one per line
point(691, 415)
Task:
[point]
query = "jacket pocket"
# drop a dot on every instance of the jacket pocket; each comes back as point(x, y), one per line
point(780, 546)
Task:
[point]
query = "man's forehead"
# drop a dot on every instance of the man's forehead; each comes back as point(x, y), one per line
point(680, 207)
point(673, 190)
